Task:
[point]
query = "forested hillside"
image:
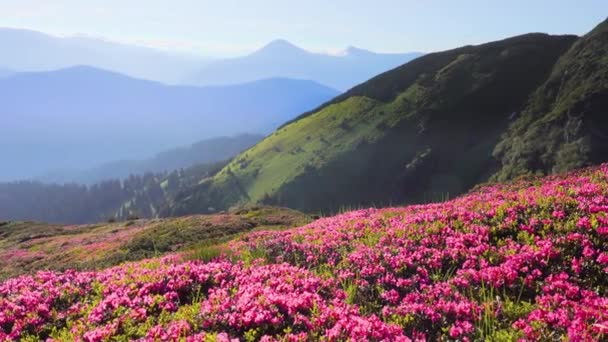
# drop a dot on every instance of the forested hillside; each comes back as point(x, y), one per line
point(565, 124)
point(136, 196)
point(421, 132)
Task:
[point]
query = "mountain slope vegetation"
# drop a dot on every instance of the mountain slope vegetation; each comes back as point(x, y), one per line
point(27, 246)
point(137, 196)
point(423, 131)
point(119, 190)
point(565, 125)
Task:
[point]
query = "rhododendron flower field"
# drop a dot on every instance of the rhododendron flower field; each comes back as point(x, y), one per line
point(521, 261)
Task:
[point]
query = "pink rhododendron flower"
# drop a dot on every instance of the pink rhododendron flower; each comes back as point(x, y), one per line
point(524, 256)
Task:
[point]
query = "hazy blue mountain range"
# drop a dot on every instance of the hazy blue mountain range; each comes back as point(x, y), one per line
point(28, 50)
point(25, 50)
point(81, 116)
point(203, 152)
point(4, 72)
point(425, 131)
point(283, 59)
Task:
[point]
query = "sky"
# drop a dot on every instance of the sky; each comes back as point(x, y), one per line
point(231, 27)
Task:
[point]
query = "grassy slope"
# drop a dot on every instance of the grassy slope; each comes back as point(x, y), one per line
point(418, 132)
point(565, 125)
point(30, 246)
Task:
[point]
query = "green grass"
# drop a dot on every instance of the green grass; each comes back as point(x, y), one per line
point(284, 155)
point(205, 252)
point(30, 246)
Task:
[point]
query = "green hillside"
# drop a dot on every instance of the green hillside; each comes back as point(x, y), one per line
point(565, 125)
point(423, 131)
point(32, 246)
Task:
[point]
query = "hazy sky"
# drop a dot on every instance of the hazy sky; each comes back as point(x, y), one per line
point(229, 27)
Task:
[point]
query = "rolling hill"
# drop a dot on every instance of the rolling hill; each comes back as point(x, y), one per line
point(423, 131)
point(26, 50)
point(82, 116)
point(27, 246)
point(280, 58)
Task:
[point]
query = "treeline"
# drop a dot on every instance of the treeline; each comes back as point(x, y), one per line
point(137, 196)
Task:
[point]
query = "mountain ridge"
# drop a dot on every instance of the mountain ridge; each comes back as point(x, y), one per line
point(76, 107)
point(27, 47)
point(401, 77)
point(564, 125)
point(427, 130)
point(282, 58)
point(384, 141)
point(207, 151)
point(278, 46)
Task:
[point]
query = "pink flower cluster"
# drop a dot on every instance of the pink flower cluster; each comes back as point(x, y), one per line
point(526, 260)
point(176, 300)
point(522, 261)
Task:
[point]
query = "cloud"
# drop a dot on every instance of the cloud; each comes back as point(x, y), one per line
point(29, 9)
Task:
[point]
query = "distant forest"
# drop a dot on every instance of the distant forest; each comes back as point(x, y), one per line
point(136, 196)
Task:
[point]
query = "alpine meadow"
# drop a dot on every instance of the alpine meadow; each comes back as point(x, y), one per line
point(223, 171)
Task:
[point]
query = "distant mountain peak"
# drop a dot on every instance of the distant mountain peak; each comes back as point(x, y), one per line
point(336, 69)
point(353, 50)
point(279, 46)
point(281, 43)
